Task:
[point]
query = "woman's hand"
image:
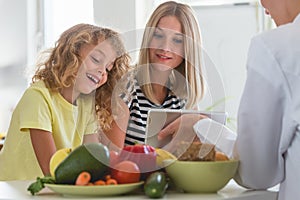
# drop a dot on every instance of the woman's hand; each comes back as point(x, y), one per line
point(183, 124)
point(181, 131)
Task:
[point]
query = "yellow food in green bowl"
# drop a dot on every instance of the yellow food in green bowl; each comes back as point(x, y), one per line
point(201, 176)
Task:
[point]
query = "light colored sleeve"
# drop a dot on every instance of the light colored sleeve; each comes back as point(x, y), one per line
point(92, 125)
point(35, 114)
point(89, 117)
point(212, 132)
point(260, 121)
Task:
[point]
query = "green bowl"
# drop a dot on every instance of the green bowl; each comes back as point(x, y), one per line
point(200, 176)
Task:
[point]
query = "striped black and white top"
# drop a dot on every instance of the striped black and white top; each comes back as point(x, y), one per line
point(138, 106)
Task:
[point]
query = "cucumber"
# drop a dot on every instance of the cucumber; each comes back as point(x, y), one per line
point(156, 185)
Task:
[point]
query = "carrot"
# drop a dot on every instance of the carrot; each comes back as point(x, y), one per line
point(99, 182)
point(107, 177)
point(111, 181)
point(83, 178)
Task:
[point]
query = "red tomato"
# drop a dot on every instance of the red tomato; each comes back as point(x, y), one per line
point(113, 158)
point(126, 172)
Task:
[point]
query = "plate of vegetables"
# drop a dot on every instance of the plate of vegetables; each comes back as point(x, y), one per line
point(94, 190)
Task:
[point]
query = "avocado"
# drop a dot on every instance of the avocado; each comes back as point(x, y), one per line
point(91, 157)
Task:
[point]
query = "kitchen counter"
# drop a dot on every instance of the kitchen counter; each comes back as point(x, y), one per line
point(18, 190)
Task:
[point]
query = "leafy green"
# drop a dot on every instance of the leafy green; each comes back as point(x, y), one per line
point(38, 185)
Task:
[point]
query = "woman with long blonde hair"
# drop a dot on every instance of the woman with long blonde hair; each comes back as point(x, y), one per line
point(168, 73)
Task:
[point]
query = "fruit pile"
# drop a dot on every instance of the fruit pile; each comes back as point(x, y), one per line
point(93, 164)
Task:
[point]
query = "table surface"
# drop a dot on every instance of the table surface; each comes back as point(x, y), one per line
point(18, 190)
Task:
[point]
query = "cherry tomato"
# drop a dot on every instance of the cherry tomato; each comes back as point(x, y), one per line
point(126, 172)
point(113, 158)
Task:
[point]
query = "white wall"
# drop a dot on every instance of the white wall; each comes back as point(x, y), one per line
point(62, 14)
point(226, 33)
point(127, 17)
point(13, 32)
point(13, 61)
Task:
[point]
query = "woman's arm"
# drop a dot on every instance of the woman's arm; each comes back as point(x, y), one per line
point(260, 120)
point(44, 147)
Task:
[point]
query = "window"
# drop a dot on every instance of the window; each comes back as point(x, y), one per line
point(60, 15)
point(33, 26)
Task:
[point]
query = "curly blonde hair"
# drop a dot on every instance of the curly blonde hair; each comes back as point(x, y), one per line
point(58, 66)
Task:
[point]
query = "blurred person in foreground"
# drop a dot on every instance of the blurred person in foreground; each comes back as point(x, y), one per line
point(268, 139)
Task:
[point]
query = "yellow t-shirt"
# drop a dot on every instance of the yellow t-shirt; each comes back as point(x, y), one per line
point(41, 109)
